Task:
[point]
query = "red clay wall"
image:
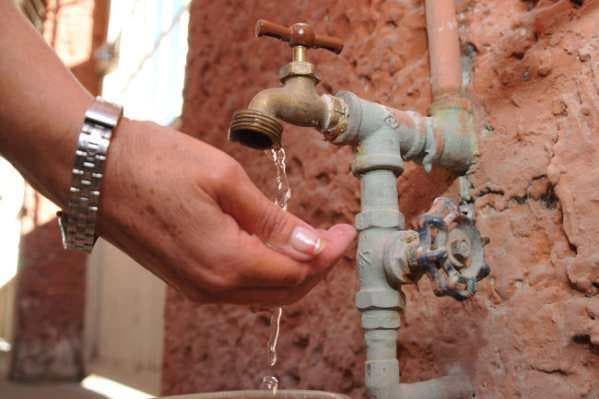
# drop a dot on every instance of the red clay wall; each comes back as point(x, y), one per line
point(532, 331)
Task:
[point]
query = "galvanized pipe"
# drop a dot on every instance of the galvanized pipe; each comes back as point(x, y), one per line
point(376, 299)
point(456, 385)
point(381, 136)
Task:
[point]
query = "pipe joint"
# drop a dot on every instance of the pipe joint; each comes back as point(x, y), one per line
point(453, 128)
point(381, 319)
point(382, 218)
point(447, 138)
point(378, 298)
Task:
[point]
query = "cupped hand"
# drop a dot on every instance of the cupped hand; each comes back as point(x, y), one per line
point(189, 213)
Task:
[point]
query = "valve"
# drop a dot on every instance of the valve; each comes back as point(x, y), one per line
point(297, 102)
point(450, 250)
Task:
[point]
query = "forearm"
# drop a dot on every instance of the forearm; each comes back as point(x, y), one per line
point(41, 106)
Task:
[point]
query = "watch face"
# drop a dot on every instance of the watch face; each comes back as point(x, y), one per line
point(63, 228)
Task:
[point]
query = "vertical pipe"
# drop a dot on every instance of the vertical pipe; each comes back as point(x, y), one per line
point(455, 144)
point(444, 47)
point(376, 299)
point(378, 165)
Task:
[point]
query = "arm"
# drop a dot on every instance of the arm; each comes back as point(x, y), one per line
point(184, 210)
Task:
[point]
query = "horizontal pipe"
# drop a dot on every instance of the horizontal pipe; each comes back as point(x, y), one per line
point(452, 386)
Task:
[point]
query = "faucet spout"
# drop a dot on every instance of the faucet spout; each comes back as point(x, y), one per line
point(296, 102)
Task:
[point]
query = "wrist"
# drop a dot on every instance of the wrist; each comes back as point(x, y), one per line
point(78, 220)
point(122, 148)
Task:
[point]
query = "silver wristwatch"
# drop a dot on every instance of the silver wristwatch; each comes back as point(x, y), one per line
point(78, 221)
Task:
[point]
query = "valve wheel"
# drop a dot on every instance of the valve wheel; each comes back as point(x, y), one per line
point(451, 251)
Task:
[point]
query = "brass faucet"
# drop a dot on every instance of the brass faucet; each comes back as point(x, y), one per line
point(297, 101)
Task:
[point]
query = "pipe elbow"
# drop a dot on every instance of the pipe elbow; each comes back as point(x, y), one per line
point(297, 102)
point(267, 101)
point(454, 130)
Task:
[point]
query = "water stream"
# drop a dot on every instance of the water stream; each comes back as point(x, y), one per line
point(283, 189)
point(283, 194)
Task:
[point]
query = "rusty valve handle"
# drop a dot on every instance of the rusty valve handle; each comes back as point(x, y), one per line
point(300, 34)
point(454, 259)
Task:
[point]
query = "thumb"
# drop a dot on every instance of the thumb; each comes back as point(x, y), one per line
point(281, 230)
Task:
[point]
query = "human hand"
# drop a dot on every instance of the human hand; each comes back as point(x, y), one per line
point(189, 213)
point(183, 209)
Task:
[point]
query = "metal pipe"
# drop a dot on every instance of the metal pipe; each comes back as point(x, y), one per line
point(443, 47)
point(454, 385)
point(299, 54)
point(366, 116)
point(296, 102)
point(378, 301)
point(383, 137)
point(451, 111)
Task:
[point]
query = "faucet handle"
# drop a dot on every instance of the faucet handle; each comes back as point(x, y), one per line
point(299, 34)
point(454, 259)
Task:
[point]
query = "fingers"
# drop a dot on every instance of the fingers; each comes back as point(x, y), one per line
point(267, 277)
point(338, 238)
point(265, 267)
point(277, 258)
point(258, 215)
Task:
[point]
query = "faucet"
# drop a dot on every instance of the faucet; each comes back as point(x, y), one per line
point(446, 246)
point(297, 101)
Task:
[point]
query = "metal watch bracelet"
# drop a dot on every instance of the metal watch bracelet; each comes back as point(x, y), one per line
point(78, 221)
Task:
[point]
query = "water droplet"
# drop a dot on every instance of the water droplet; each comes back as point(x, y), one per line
point(271, 383)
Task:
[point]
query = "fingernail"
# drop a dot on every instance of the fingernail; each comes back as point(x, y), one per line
point(306, 241)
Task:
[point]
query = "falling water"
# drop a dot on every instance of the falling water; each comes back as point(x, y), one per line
point(283, 190)
point(283, 195)
point(271, 382)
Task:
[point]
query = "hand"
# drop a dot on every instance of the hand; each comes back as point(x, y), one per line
point(190, 214)
point(183, 209)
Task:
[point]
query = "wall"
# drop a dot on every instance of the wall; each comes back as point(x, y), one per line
point(532, 330)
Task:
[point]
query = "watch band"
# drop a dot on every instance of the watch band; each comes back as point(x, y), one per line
point(78, 221)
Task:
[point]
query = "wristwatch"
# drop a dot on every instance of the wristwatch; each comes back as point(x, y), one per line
point(78, 221)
